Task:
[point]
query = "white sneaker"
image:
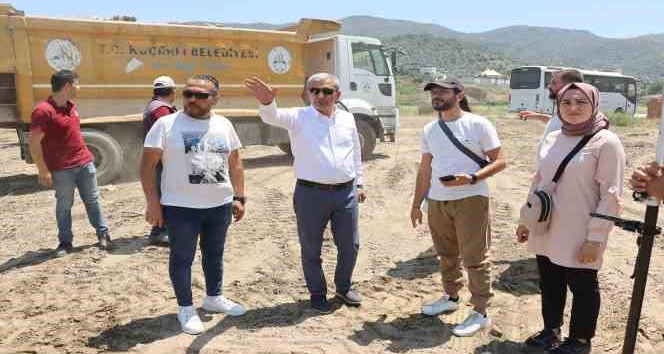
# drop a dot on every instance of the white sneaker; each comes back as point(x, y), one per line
point(473, 323)
point(222, 304)
point(189, 320)
point(444, 304)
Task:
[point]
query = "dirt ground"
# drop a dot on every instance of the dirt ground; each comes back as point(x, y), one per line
point(92, 302)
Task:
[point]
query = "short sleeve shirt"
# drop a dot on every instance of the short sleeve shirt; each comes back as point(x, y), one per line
point(195, 159)
point(63, 146)
point(473, 131)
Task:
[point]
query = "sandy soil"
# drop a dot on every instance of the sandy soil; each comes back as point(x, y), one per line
point(91, 302)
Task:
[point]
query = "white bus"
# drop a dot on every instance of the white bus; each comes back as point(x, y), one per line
point(528, 89)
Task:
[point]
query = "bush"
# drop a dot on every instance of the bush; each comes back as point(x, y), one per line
point(408, 110)
point(655, 88)
point(622, 119)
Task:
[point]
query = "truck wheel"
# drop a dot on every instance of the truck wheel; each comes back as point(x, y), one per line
point(107, 153)
point(285, 147)
point(619, 110)
point(367, 138)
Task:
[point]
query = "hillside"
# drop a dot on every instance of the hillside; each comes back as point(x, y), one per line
point(640, 56)
point(453, 56)
point(505, 47)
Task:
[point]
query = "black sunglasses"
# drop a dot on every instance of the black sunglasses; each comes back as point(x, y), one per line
point(325, 90)
point(197, 94)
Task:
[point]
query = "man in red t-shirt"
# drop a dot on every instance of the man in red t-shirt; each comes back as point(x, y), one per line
point(64, 161)
point(159, 106)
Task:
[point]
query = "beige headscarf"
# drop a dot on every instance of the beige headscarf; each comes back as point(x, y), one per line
point(597, 120)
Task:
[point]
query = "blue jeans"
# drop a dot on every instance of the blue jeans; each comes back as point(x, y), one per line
point(85, 179)
point(313, 209)
point(183, 226)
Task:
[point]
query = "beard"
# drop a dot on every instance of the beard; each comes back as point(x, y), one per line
point(442, 105)
point(552, 95)
point(196, 112)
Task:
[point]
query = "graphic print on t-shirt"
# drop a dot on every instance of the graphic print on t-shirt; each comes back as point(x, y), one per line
point(207, 158)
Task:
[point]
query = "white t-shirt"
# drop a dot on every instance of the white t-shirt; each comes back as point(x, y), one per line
point(195, 159)
point(552, 125)
point(473, 131)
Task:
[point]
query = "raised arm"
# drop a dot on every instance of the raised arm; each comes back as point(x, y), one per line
point(268, 111)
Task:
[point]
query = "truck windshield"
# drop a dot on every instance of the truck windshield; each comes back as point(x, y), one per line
point(525, 78)
point(370, 57)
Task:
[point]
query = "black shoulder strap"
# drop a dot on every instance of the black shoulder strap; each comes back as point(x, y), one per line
point(480, 161)
point(568, 158)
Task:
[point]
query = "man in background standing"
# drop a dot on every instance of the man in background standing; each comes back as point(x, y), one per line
point(160, 105)
point(64, 161)
point(559, 79)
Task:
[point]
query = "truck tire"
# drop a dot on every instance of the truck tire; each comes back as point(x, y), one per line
point(107, 153)
point(367, 138)
point(285, 147)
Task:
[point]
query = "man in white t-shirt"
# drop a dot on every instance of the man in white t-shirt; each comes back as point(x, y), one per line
point(455, 187)
point(202, 190)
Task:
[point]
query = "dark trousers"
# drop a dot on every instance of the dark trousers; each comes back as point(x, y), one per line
point(313, 209)
point(554, 280)
point(184, 226)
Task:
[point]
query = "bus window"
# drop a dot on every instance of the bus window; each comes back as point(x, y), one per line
point(525, 78)
point(631, 91)
point(618, 85)
point(547, 78)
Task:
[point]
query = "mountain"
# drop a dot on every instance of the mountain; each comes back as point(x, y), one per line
point(502, 48)
point(453, 56)
point(641, 56)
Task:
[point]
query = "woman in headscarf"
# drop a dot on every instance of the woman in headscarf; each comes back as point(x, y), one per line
point(570, 252)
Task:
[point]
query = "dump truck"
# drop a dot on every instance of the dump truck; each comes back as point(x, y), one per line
point(118, 60)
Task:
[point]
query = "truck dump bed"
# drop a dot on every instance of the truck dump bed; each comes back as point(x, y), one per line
point(117, 61)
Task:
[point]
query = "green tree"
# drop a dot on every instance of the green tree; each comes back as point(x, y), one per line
point(123, 18)
point(656, 88)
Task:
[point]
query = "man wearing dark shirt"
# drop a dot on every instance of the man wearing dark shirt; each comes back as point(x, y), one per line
point(64, 161)
point(159, 106)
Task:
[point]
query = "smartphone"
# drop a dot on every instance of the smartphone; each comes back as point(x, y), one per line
point(447, 178)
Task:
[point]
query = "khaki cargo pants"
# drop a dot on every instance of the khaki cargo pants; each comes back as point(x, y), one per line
point(460, 231)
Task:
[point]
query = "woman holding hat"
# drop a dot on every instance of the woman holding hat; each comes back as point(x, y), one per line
point(570, 251)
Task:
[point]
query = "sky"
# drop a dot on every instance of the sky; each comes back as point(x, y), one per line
point(607, 18)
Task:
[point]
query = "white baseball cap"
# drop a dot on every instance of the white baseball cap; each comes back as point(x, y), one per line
point(163, 82)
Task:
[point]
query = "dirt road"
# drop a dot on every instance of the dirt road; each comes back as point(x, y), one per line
point(91, 302)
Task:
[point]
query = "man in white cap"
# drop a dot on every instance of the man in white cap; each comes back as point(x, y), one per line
point(159, 106)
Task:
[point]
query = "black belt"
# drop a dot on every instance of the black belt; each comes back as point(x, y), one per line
point(302, 182)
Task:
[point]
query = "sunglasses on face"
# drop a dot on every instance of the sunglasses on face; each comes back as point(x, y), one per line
point(197, 94)
point(325, 90)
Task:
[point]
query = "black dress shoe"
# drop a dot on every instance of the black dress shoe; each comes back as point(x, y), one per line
point(543, 339)
point(571, 346)
point(320, 304)
point(63, 249)
point(158, 236)
point(350, 298)
point(104, 242)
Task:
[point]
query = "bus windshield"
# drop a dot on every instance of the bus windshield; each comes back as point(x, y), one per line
point(525, 78)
